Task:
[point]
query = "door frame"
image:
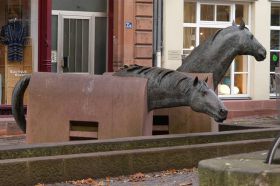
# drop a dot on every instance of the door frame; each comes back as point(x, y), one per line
point(79, 15)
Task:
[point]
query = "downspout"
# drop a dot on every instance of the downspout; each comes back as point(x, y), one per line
point(155, 10)
point(157, 32)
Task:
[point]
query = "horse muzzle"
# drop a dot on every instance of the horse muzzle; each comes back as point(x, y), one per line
point(222, 115)
point(261, 55)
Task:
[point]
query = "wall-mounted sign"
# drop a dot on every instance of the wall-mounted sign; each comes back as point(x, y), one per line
point(54, 56)
point(174, 55)
point(128, 25)
point(19, 73)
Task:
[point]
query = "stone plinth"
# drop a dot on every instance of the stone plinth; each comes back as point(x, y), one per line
point(117, 105)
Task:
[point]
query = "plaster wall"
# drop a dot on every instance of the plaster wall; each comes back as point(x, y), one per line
point(172, 33)
point(260, 70)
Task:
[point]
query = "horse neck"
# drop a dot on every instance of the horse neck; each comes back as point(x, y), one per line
point(212, 57)
point(167, 95)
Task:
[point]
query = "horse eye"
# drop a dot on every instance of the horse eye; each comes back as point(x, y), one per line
point(252, 36)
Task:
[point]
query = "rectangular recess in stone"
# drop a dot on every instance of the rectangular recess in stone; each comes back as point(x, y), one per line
point(83, 130)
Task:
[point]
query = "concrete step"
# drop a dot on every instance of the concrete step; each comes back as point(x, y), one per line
point(59, 168)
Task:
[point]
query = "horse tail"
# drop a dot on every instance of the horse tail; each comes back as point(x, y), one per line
point(17, 102)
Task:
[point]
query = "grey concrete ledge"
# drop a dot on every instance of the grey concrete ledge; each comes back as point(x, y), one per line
point(239, 170)
point(50, 169)
point(37, 150)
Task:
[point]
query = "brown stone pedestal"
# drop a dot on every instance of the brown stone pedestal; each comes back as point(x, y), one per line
point(100, 107)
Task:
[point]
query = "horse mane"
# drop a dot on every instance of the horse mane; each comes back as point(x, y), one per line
point(158, 75)
point(218, 31)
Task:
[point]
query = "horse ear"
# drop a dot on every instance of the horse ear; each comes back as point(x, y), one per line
point(242, 25)
point(195, 82)
point(233, 23)
point(206, 79)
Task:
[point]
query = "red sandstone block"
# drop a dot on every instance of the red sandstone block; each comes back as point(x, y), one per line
point(144, 37)
point(144, 23)
point(143, 51)
point(144, 9)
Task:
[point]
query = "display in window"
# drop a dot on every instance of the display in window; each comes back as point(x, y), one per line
point(15, 44)
point(13, 35)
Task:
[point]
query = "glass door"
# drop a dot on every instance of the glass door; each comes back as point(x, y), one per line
point(81, 42)
point(75, 44)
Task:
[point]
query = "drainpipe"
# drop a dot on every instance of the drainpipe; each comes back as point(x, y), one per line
point(157, 32)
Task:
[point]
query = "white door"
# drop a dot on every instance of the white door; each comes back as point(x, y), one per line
point(81, 41)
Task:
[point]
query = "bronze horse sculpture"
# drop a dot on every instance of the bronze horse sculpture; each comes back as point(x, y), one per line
point(216, 54)
point(166, 88)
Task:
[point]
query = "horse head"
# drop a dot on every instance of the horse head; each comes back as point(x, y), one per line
point(248, 44)
point(204, 100)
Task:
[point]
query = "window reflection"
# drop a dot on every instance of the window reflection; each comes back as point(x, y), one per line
point(275, 16)
point(223, 13)
point(189, 38)
point(274, 39)
point(240, 84)
point(207, 12)
point(241, 12)
point(272, 86)
point(189, 12)
point(205, 33)
point(241, 64)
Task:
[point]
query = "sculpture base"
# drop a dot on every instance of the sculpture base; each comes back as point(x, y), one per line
point(75, 106)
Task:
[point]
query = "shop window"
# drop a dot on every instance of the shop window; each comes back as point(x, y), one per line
point(15, 44)
point(274, 45)
point(214, 16)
